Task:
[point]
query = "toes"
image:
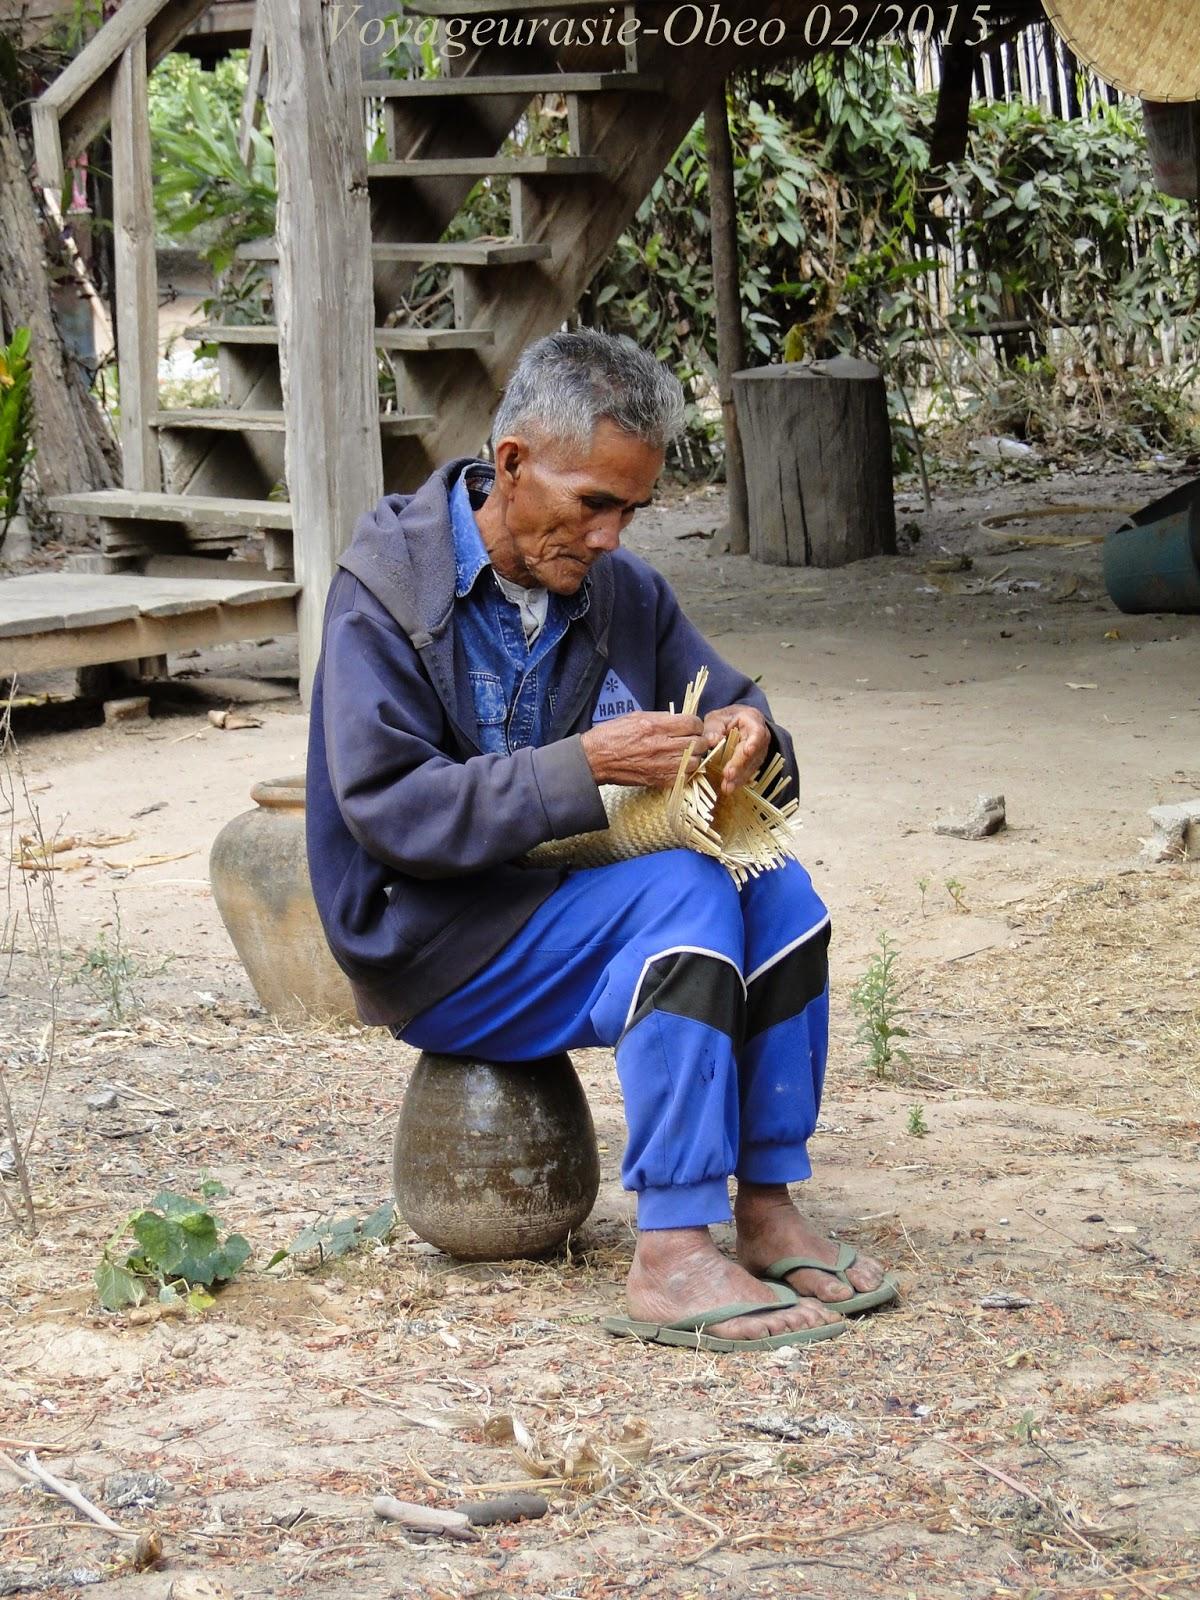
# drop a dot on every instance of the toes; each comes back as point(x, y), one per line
point(865, 1274)
point(794, 1319)
point(819, 1286)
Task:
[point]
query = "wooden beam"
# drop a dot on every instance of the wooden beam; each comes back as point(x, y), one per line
point(731, 333)
point(135, 270)
point(252, 99)
point(76, 106)
point(325, 297)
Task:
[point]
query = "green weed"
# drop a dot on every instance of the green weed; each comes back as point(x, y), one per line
point(180, 1254)
point(876, 999)
point(327, 1239)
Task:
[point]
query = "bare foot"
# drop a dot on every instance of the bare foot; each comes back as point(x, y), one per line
point(769, 1228)
point(679, 1272)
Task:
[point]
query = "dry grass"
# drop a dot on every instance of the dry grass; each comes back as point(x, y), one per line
point(1094, 1005)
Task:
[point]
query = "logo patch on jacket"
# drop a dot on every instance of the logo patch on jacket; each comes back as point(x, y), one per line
point(616, 699)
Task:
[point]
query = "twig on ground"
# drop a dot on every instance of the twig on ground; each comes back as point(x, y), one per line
point(131, 1093)
point(784, 1536)
point(663, 1493)
point(815, 1561)
point(910, 1244)
point(424, 1519)
point(329, 1550)
point(1051, 1505)
point(32, 1468)
point(29, 1444)
point(36, 1527)
point(618, 1482)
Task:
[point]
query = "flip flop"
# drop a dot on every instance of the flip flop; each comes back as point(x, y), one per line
point(864, 1300)
point(689, 1331)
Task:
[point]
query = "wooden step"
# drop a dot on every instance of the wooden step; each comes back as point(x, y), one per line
point(188, 509)
point(527, 83)
point(471, 253)
point(489, 167)
point(400, 339)
point(231, 420)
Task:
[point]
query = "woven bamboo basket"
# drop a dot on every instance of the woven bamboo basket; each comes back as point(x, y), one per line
point(748, 831)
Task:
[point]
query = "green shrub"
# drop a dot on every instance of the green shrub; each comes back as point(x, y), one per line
point(16, 421)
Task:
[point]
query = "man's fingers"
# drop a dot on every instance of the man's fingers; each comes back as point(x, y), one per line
point(685, 727)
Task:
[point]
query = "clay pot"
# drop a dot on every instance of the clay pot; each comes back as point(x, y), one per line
point(259, 873)
point(495, 1159)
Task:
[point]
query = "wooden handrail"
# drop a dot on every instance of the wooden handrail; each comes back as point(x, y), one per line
point(77, 105)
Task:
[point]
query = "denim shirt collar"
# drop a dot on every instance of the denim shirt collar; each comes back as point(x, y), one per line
point(470, 552)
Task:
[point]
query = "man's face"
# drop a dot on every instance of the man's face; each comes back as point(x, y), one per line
point(564, 508)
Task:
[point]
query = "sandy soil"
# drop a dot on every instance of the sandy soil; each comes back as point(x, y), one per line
point(945, 1448)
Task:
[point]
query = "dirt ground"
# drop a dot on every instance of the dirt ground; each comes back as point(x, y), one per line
point(1025, 1424)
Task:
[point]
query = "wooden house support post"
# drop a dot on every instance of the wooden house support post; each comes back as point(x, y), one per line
point(731, 336)
point(325, 303)
point(135, 269)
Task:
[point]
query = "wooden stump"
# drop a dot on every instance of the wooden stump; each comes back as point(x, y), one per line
point(818, 462)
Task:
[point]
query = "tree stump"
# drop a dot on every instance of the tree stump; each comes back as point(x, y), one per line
point(818, 462)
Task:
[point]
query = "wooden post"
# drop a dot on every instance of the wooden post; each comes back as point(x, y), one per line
point(731, 335)
point(252, 99)
point(325, 302)
point(135, 269)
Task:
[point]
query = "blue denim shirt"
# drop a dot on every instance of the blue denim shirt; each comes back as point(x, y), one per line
point(513, 684)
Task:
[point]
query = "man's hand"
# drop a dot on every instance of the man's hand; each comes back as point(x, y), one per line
point(643, 748)
point(754, 741)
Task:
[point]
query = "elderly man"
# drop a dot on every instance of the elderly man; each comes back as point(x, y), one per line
point(491, 656)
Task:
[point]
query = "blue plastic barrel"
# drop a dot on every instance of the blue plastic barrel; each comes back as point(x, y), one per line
point(1153, 563)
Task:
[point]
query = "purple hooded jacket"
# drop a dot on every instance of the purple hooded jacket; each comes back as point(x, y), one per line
point(412, 832)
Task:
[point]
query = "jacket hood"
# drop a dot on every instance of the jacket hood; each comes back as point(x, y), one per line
point(403, 552)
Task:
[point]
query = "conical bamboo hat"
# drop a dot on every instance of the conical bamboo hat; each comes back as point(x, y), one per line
point(1149, 48)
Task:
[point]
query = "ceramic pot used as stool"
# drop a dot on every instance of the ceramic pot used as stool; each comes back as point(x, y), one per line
point(495, 1159)
point(259, 873)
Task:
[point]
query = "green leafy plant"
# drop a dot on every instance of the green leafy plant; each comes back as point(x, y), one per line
point(923, 883)
point(842, 223)
point(876, 998)
point(111, 972)
point(179, 1254)
point(1026, 1428)
point(16, 423)
point(328, 1238)
point(957, 891)
point(204, 190)
point(916, 1124)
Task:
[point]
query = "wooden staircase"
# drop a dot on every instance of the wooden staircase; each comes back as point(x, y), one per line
point(209, 479)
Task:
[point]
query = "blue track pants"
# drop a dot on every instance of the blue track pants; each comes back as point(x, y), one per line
point(717, 1003)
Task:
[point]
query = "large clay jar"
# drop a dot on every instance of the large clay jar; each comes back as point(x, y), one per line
point(495, 1159)
point(259, 873)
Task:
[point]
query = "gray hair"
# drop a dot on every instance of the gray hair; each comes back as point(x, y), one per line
point(566, 383)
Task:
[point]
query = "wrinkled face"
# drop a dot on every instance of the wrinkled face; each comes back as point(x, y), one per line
point(561, 509)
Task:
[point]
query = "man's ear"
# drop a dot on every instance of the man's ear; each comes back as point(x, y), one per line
point(510, 455)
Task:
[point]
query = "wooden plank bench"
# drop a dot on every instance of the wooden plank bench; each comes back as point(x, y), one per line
point(55, 620)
